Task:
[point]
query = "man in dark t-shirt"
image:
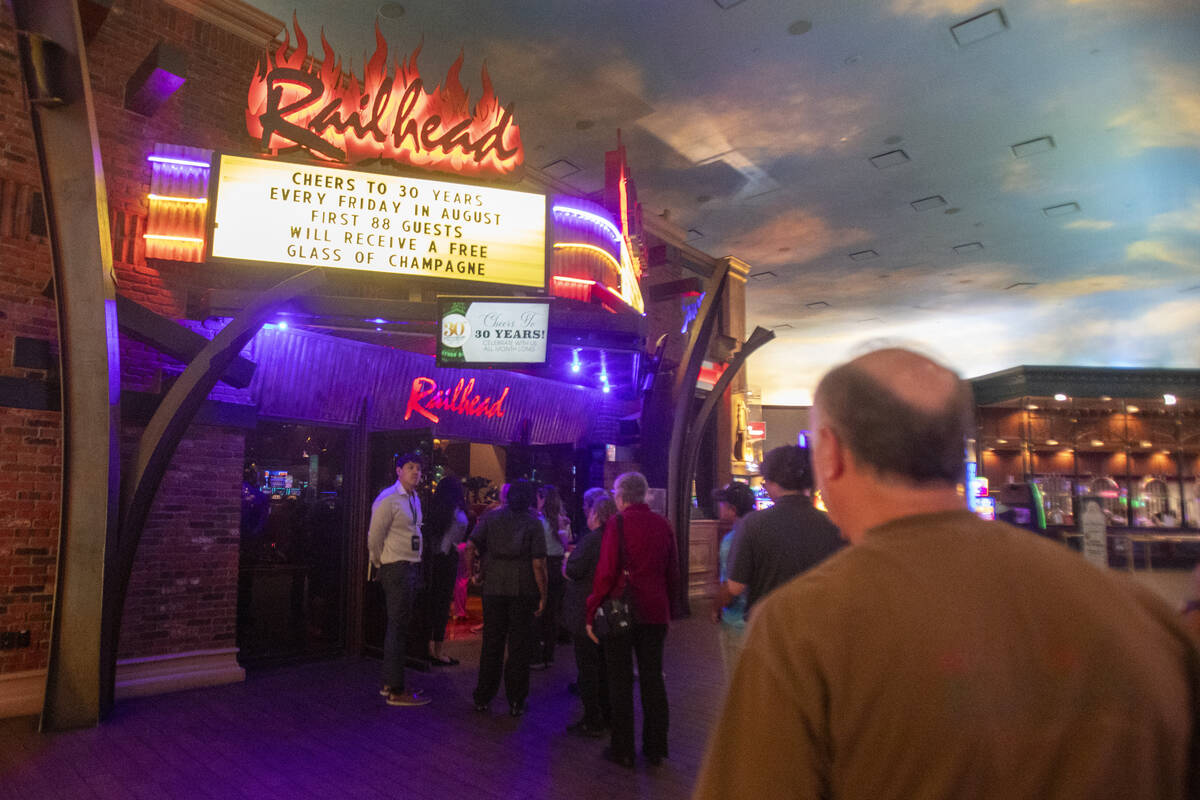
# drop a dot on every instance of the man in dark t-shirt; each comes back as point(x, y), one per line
point(778, 543)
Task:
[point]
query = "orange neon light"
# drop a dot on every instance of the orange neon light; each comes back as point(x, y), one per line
point(172, 238)
point(169, 199)
point(294, 103)
point(593, 248)
point(564, 279)
point(424, 398)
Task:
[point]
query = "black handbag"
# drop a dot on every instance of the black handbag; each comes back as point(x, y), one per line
point(615, 615)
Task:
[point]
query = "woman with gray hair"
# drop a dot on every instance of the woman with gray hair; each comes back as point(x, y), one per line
point(639, 548)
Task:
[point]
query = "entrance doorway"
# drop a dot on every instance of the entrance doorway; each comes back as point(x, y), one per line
point(383, 447)
point(292, 570)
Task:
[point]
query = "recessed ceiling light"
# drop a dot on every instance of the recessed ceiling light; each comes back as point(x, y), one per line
point(560, 168)
point(728, 3)
point(1002, 441)
point(1021, 285)
point(1169, 399)
point(1033, 146)
point(1052, 442)
point(762, 276)
point(1105, 398)
point(1132, 409)
point(1146, 444)
point(817, 304)
point(781, 326)
point(1061, 210)
point(864, 255)
point(391, 11)
point(799, 27)
point(1032, 407)
point(851, 60)
point(979, 27)
point(892, 158)
point(1097, 443)
point(926, 203)
point(1060, 397)
point(969, 247)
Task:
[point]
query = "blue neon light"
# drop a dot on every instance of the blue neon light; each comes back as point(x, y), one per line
point(607, 224)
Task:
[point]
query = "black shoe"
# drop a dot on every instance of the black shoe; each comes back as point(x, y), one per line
point(621, 760)
point(582, 728)
point(516, 709)
point(481, 707)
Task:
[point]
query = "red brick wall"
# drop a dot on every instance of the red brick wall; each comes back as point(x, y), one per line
point(30, 441)
point(183, 591)
point(30, 494)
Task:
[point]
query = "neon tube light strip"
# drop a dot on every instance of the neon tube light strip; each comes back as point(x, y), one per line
point(170, 199)
point(182, 162)
point(172, 238)
point(564, 279)
point(592, 247)
point(590, 217)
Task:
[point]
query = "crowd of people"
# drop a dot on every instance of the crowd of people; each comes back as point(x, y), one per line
point(898, 646)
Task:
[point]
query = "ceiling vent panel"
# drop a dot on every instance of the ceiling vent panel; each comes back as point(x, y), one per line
point(979, 27)
point(783, 326)
point(864, 255)
point(560, 169)
point(729, 3)
point(1021, 285)
point(1061, 210)
point(763, 276)
point(817, 304)
point(927, 203)
point(1033, 146)
point(892, 158)
point(969, 247)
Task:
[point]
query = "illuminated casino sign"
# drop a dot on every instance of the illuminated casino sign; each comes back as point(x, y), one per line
point(296, 104)
point(482, 331)
point(309, 215)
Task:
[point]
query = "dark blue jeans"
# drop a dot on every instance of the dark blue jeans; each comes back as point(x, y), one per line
point(399, 581)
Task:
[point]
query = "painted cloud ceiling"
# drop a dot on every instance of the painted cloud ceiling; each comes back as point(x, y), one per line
point(754, 127)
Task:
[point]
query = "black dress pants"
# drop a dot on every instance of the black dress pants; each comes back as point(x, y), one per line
point(399, 580)
point(548, 622)
point(646, 641)
point(593, 681)
point(506, 620)
point(443, 573)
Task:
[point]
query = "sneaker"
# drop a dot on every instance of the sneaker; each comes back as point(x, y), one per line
point(516, 709)
point(386, 690)
point(407, 699)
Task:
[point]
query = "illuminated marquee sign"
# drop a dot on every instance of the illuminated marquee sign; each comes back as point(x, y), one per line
point(294, 104)
point(317, 216)
point(425, 397)
point(476, 331)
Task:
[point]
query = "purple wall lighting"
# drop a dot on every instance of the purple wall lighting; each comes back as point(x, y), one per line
point(158, 77)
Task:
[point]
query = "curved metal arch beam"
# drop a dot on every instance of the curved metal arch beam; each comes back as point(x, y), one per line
point(161, 438)
point(691, 447)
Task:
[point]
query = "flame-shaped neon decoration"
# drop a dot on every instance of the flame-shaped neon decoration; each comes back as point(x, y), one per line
point(294, 103)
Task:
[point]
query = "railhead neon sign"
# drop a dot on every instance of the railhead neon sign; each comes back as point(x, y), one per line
point(424, 398)
point(295, 105)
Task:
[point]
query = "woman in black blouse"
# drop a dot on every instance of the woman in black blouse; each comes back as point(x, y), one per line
point(513, 547)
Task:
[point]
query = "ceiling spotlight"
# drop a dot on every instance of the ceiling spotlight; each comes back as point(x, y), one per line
point(282, 325)
point(1060, 397)
point(1169, 399)
point(1002, 441)
point(1145, 444)
point(1105, 398)
point(1097, 443)
point(1132, 409)
point(1052, 442)
point(1031, 407)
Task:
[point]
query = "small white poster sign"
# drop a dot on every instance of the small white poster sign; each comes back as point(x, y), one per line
point(1094, 527)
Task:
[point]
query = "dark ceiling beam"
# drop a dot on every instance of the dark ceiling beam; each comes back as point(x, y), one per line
point(92, 14)
point(174, 340)
point(1094, 382)
point(671, 289)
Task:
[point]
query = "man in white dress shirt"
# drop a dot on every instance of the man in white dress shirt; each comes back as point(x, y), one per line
point(394, 542)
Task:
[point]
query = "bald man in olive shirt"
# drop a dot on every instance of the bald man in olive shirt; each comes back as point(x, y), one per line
point(942, 656)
